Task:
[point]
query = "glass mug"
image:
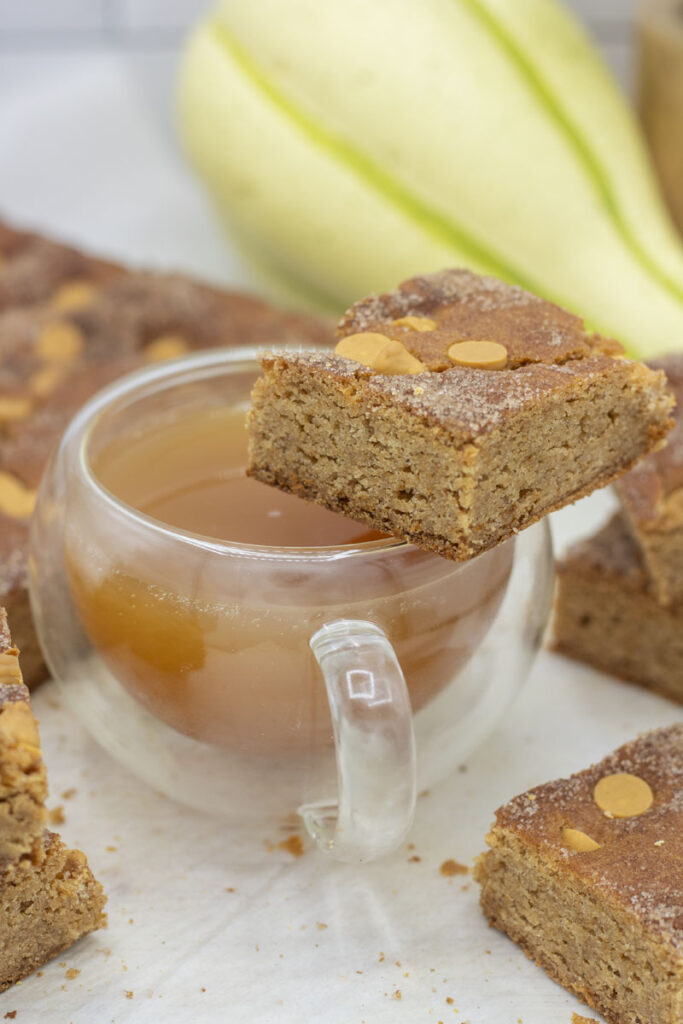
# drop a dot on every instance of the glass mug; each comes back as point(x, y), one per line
point(258, 681)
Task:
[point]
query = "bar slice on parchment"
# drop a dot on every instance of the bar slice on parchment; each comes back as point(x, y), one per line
point(586, 874)
point(48, 895)
point(607, 615)
point(456, 411)
point(652, 499)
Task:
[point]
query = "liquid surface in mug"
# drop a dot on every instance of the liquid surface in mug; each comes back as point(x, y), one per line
point(191, 475)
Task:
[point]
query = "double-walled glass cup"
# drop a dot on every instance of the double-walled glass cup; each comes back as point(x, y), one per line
point(260, 682)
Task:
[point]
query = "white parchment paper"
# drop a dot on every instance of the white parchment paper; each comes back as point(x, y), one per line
point(210, 925)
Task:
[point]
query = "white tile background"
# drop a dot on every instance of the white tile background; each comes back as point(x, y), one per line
point(158, 26)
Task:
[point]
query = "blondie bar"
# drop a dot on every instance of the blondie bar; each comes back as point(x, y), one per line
point(652, 499)
point(607, 615)
point(586, 874)
point(48, 896)
point(456, 411)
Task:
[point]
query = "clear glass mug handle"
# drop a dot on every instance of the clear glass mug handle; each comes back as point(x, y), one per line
point(374, 741)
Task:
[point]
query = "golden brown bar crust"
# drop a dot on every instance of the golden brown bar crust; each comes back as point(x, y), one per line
point(45, 908)
point(607, 923)
point(456, 459)
point(48, 895)
point(71, 323)
point(23, 784)
point(652, 498)
point(607, 616)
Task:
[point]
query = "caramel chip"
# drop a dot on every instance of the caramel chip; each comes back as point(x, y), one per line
point(46, 380)
point(577, 840)
point(14, 408)
point(361, 347)
point(16, 500)
point(166, 346)
point(59, 342)
point(395, 358)
point(416, 323)
point(379, 353)
point(73, 295)
point(623, 795)
point(479, 355)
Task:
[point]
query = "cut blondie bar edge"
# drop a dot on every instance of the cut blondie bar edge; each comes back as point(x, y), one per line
point(48, 895)
point(456, 411)
point(71, 323)
point(607, 615)
point(586, 874)
point(652, 499)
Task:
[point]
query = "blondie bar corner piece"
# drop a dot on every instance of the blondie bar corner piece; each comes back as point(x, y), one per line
point(455, 411)
point(48, 895)
point(586, 874)
point(652, 499)
point(607, 615)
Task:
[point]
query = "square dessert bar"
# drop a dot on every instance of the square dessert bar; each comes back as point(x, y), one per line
point(71, 323)
point(652, 499)
point(456, 411)
point(586, 874)
point(607, 615)
point(48, 896)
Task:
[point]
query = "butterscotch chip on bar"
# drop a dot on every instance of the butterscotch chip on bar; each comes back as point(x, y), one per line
point(71, 323)
point(607, 615)
point(48, 896)
point(652, 499)
point(604, 920)
point(455, 458)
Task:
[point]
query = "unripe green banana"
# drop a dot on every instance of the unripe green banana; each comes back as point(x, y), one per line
point(351, 145)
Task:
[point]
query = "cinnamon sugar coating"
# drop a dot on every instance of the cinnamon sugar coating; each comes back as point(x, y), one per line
point(469, 307)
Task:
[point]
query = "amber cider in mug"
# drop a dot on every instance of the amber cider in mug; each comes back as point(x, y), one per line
point(234, 669)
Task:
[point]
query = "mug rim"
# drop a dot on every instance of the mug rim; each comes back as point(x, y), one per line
point(147, 381)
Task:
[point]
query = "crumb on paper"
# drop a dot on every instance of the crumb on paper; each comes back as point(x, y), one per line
point(202, 989)
point(411, 846)
point(69, 793)
point(396, 994)
point(131, 920)
point(292, 844)
point(453, 867)
point(72, 973)
point(414, 859)
point(110, 849)
point(230, 889)
point(56, 815)
point(10, 1015)
point(578, 1019)
point(321, 926)
point(129, 993)
point(381, 958)
point(450, 1001)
